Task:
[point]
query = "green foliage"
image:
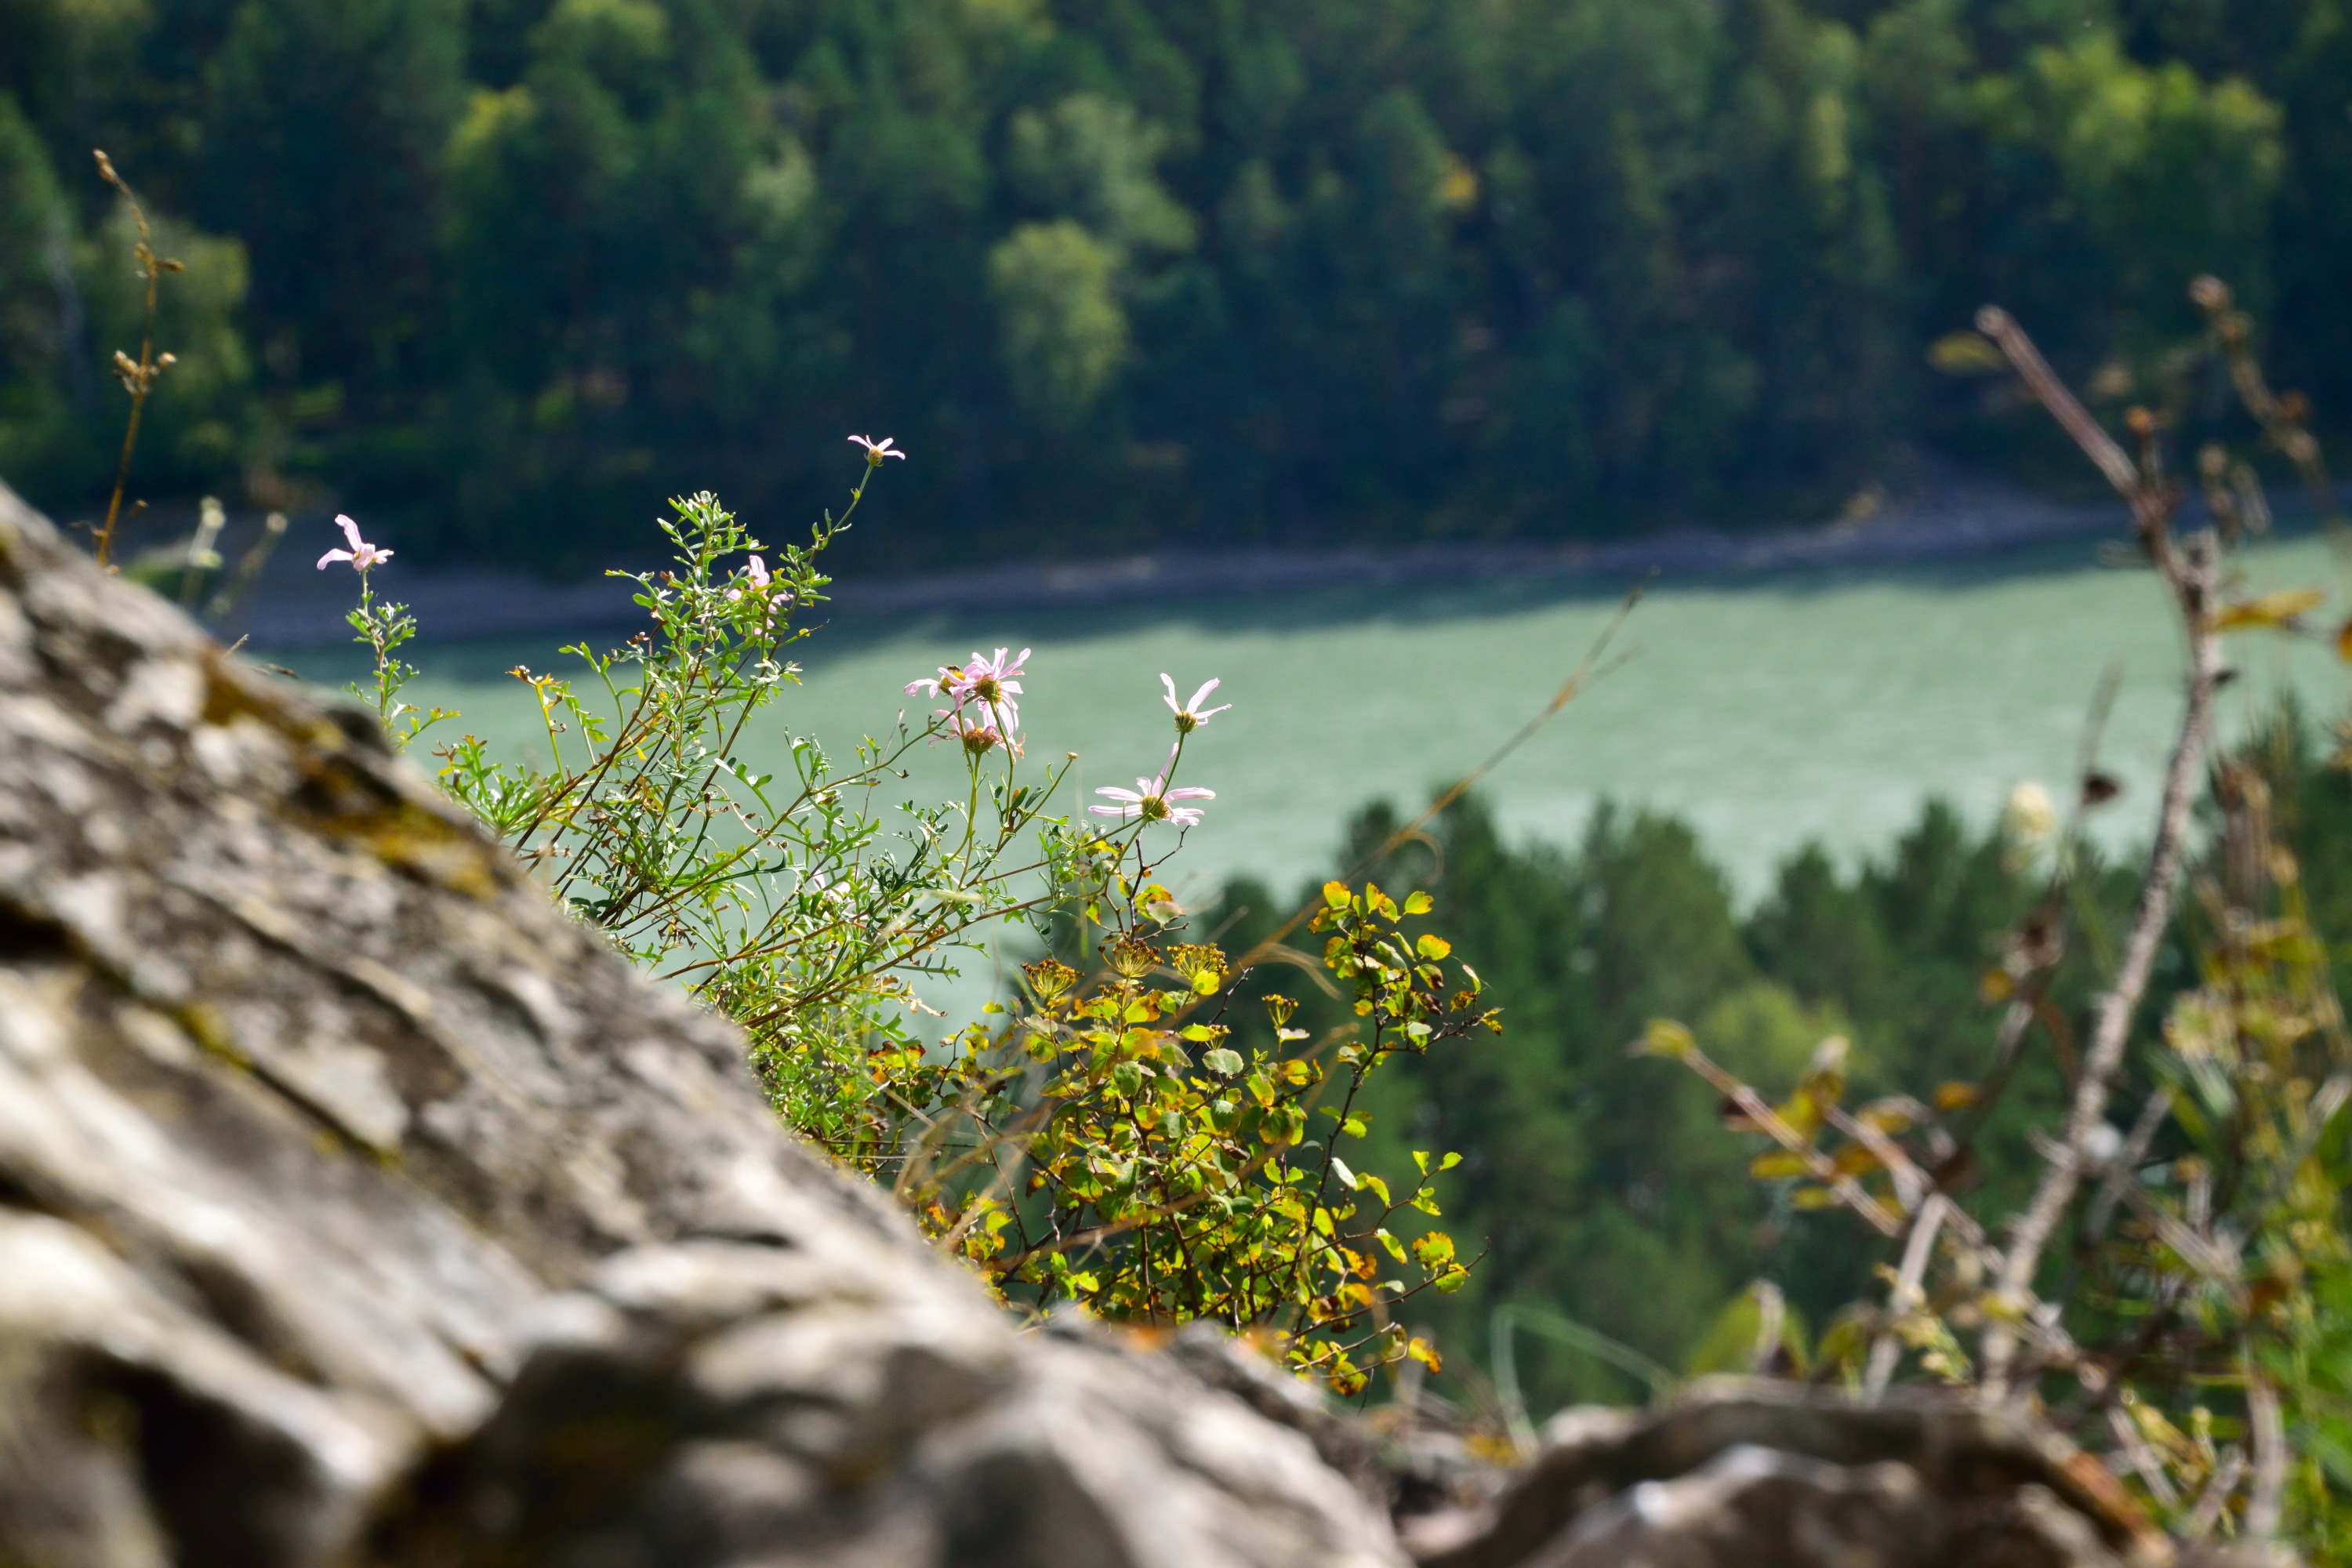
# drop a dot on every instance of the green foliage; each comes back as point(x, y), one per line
point(201, 420)
point(69, 299)
point(326, 128)
point(384, 629)
point(2172, 177)
point(1148, 269)
point(1137, 1164)
point(45, 433)
point(1065, 331)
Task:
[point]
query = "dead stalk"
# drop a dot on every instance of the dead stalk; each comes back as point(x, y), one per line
point(1887, 1349)
point(2265, 1497)
point(138, 379)
point(2190, 568)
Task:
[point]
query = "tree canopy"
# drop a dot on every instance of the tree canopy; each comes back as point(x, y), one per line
point(1127, 271)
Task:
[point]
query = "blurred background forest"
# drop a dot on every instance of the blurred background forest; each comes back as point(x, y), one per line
point(1128, 273)
point(1600, 1184)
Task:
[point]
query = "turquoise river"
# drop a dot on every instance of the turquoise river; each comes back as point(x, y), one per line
point(1768, 712)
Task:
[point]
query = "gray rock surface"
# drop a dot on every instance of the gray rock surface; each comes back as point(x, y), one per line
point(355, 1204)
point(1738, 1473)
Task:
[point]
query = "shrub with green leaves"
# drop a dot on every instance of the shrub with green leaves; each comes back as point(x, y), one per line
point(1107, 1146)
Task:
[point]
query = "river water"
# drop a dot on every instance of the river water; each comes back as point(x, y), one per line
point(1768, 712)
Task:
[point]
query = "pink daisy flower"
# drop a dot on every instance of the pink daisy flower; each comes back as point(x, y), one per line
point(979, 734)
point(989, 682)
point(878, 450)
point(756, 573)
point(1154, 801)
point(1191, 716)
point(362, 554)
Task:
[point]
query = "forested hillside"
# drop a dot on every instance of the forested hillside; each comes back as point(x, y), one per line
point(1602, 1184)
point(1127, 271)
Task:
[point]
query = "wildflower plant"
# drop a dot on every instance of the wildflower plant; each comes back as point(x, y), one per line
point(383, 628)
point(788, 901)
point(1097, 1141)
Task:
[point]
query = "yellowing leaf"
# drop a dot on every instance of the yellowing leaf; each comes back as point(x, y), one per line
point(1812, 1198)
point(1418, 904)
point(1433, 946)
point(2268, 609)
point(1956, 1095)
point(1887, 1119)
point(1664, 1037)
point(1966, 354)
point(1337, 895)
point(1777, 1164)
point(1853, 1159)
point(1802, 1110)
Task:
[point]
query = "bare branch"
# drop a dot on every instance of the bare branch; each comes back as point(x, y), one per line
point(2127, 1163)
point(2143, 1459)
point(2207, 1512)
point(2042, 382)
point(1886, 1349)
point(2269, 1435)
point(2191, 572)
point(1820, 1166)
